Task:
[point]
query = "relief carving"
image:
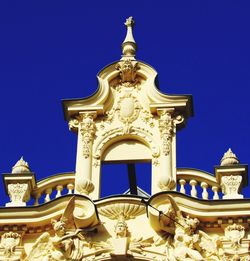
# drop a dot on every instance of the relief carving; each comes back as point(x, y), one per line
point(182, 237)
point(73, 124)
point(18, 193)
point(67, 243)
point(9, 241)
point(234, 233)
point(88, 129)
point(127, 73)
point(166, 126)
point(230, 186)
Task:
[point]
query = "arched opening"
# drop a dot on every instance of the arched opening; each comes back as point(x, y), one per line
point(126, 169)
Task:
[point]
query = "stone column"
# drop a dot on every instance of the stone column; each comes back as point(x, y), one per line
point(86, 134)
point(166, 127)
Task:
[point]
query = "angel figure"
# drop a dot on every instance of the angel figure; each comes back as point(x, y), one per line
point(186, 241)
point(67, 244)
point(211, 246)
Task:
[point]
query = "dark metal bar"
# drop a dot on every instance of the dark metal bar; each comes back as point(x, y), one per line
point(132, 178)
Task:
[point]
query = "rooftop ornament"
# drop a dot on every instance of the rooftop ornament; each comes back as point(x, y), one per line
point(229, 158)
point(20, 167)
point(129, 45)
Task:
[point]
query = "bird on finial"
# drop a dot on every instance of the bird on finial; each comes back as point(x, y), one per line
point(129, 21)
point(129, 45)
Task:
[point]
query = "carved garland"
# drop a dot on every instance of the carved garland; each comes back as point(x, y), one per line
point(167, 125)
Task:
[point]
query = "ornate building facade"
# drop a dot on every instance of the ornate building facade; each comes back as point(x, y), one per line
point(190, 214)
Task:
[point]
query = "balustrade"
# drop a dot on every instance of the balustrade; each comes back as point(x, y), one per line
point(193, 180)
point(53, 187)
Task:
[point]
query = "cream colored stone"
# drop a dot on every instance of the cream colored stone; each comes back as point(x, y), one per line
point(127, 120)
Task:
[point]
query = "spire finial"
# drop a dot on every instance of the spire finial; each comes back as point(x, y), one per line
point(229, 158)
point(21, 166)
point(129, 45)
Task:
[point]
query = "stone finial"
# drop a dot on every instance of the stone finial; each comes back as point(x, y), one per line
point(20, 167)
point(229, 158)
point(129, 45)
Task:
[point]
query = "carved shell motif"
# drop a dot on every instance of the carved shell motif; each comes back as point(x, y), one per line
point(128, 108)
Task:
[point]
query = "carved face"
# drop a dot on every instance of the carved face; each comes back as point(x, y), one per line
point(121, 229)
point(59, 228)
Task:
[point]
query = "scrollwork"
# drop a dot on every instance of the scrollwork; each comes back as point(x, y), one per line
point(73, 124)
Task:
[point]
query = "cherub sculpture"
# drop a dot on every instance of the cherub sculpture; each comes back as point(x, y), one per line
point(67, 244)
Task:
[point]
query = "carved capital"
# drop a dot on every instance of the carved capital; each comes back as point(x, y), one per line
point(18, 194)
point(9, 241)
point(87, 129)
point(230, 186)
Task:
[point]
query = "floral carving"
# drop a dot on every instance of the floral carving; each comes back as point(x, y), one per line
point(9, 241)
point(147, 117)
point(230, 186)
point(166, 125)
point(18, 193)
point(88, 130)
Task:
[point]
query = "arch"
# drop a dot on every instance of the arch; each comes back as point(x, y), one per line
point(117, 134)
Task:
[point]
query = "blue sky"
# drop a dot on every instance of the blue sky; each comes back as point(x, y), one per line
point(50, 50)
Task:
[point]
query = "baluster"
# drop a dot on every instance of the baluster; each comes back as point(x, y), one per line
point(70, 188)
point(59, 189)
point(215, 190)
point(48, 191)
point(193, 183)
point(182, 184)
point(204, 186)
point(37, 197)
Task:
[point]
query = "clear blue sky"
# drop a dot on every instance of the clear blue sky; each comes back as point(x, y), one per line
point(50, 50)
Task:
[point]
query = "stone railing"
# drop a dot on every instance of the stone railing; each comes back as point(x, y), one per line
point(197, 184)
point(226, 184)
point(53, 187)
